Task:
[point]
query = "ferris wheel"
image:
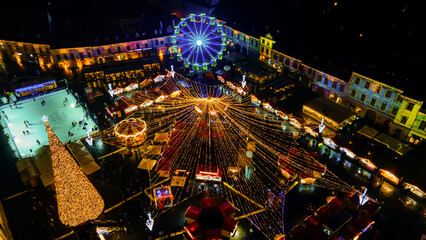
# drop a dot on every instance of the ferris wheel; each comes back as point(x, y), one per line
point(199, 41)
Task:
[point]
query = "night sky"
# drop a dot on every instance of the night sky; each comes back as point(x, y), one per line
point(382, 41)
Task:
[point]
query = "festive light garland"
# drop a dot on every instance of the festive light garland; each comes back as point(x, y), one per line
point(217, 126)
point(78, 200)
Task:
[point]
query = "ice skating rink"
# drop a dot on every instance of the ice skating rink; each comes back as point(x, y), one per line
point(60, 118)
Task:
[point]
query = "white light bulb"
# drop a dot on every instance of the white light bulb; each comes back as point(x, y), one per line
point(199, 42)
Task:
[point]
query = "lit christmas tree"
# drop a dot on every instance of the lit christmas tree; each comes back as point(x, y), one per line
point(78, 200)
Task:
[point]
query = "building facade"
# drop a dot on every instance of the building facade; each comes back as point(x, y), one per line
point(241, 42)
point(23, 54)
point(373, 100)
point(274, 58)
point(327, 86)
point(406, 116)
point(417, 133)
point(5, 233)
point(73, 59)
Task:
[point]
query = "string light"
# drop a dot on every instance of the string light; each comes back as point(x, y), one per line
point(218, 126)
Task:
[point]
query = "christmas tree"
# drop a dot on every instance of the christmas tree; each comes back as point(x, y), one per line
point(78, 200)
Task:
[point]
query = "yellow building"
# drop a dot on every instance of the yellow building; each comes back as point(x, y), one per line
point(266, 44)
point(405, 118)
point(417, 132)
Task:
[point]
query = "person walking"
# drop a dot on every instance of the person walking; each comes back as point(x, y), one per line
point(38, 142)
point(27, 132)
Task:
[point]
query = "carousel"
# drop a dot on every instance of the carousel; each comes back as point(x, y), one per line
point(131, 132)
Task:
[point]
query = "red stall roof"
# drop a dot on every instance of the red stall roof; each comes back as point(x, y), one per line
point(227, 208)
point(192, 212)
point(208, 202)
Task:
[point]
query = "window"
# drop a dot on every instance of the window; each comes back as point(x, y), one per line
point(357, 80)
point(72, 55)
point(422, 125)
point(81, 55)
point(353, 93)
point(399, 98)
point(334, 85)
point(109, 50)
point(388, 93)
point(409, 106)
point(119, 49)
point(373, 102)
point(161, 42)
point(137, 46)
point(25, 48)
point(363, 97)
point(128, 47)
point(404, 120)
point(394, 110)
point(367, 85)
point(262, 49)
point(146, 45)
point(58, 56)
point(342, 87)
point(89, 54)
point(156, 42)
point(377, 89)
point(383, 106)
point(65, 56)
point(40, 49)
point(326, 81)
point(98, 51)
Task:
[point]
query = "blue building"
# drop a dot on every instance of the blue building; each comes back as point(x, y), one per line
point(373, 100)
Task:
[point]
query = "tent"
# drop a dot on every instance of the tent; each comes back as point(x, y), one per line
point(83, 157)
point(368, 131)
point(392, 143)
point(161, 137)
point(153, 150)
point(147, 164)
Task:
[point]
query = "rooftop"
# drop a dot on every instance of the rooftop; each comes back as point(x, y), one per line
point(329, 109)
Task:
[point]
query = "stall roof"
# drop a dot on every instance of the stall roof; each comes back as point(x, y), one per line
point(154, 150)
point(161, 137)
point(330, 109)
point(83, 157)
point(43, 163)
point(393, 144)
point(338, 220)
point(147, 164)
point(368, 131)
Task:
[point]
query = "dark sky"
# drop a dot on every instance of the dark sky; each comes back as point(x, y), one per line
point(328, 36)
point(381, 39)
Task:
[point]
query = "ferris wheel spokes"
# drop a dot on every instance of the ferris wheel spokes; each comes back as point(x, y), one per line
point(199, 45)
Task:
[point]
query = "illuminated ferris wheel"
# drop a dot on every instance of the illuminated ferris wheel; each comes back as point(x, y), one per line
point(199, 40)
